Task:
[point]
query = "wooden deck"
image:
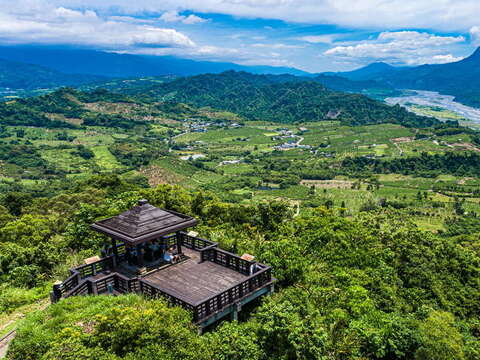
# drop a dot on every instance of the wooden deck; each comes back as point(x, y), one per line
point(211, 282)
point(192, 281)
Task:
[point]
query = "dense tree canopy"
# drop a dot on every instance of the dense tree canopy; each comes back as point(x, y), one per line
point(369, 287)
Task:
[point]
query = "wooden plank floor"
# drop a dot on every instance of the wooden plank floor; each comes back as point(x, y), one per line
point(195, 282)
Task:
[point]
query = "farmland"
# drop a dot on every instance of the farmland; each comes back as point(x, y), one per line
point(242, 164)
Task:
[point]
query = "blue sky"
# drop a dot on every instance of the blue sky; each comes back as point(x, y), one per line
point(312, 35)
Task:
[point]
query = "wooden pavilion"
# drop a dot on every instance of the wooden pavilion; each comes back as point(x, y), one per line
point(206, 280)
point(141, 225)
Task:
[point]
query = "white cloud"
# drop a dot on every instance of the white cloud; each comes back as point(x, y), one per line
point(276, 46)
point(319, 39)
point(475, 35)
point(443, 59)
point(38, 22)
point(174, 16)
point(402, 47)
point(58, 25)
point(240, 55)
point(445, 15)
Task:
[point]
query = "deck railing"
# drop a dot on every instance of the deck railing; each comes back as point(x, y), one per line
point(82, 288)
point(196, 243)
point(116, 281)
point(227, 259)
point(216, 303)
point(74, 283)
point(96, 267)
point(151, 290)
point(230, 296)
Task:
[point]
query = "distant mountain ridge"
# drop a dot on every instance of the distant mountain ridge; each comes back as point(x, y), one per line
point(17, 75)
point(461, 78)
point(54, 68)
point(113, 65)
point(369, 72)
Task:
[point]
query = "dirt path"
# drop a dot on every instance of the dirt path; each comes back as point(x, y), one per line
point(4, 342)
point(13, 320)
point(398, 148)
point(299, 141)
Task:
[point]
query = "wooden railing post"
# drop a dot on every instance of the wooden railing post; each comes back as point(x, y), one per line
point(179, 237)
point(57, 291)
point(115, 253)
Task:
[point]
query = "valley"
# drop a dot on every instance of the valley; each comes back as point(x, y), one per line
point(367, 213)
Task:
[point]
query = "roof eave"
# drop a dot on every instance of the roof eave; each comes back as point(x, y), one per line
point(146, 237)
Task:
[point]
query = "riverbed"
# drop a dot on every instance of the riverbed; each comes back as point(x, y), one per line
point(435, 99)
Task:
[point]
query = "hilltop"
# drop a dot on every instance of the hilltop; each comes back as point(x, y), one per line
point(368, 72)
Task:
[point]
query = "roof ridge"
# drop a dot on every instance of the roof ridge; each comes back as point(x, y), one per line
point(144, 219)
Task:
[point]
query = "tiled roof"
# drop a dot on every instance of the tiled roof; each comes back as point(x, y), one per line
point(143, 222)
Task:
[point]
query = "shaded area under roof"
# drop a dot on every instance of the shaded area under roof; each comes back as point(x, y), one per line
point(142, 223)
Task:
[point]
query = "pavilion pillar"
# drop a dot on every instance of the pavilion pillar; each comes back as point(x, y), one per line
point(140, 261)
point(234, 315)
point(179, 242)
point(115, 252)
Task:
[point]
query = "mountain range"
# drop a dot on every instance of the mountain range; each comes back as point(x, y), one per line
point(29, 67)
point(253, 97)
point(113, 65)
point(461, 78)
point(17, 75)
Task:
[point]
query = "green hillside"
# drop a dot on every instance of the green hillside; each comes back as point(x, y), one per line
point(265, 98)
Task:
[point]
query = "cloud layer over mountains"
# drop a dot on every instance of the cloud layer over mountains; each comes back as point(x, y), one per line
point(315, 35)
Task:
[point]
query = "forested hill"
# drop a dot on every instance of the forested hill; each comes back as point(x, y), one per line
point(271, 98)
point(17, 75)
point(70, 108)
point(282, 98)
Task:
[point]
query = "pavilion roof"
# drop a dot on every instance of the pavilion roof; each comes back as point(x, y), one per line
point(142, 223)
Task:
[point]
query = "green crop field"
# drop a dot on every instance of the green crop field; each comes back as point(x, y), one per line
point(104, 158)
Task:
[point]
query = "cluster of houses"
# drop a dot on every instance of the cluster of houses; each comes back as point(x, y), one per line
point(293, 141)
point(284, 134)
point(200, 126)
point(230, 162)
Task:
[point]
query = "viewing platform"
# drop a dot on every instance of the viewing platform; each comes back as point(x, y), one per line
point(206, 280)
